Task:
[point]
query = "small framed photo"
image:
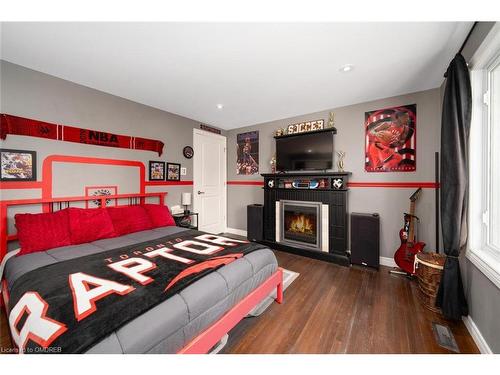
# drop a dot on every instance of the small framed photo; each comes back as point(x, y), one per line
point(17, 165)
point(173, 172)
point(156, 170)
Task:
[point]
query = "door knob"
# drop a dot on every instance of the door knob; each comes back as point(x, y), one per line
point(201, 192)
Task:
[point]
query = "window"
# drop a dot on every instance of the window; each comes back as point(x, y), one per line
point(493, 105)
point(484, 197)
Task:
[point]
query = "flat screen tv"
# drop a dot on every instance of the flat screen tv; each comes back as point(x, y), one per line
point(305, 152)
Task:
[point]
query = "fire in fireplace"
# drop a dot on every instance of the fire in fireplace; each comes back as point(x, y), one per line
point(300, 223)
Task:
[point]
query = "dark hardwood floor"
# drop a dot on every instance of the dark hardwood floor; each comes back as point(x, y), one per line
point(334, 309)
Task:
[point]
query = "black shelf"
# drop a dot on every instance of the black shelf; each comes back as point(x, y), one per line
point(306, 174)
point(331, 130)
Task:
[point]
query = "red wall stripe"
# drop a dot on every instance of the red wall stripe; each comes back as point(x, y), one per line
point(424, 185)
point(20, 185)
point(256, 183)
point(168, 183)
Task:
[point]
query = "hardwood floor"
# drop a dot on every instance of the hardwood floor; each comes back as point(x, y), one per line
point(334, 309)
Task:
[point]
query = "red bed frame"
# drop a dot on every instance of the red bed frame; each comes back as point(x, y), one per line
point(204, 341)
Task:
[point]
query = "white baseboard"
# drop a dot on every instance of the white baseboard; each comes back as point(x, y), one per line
point(389, 262)
point(238, 232)
point(476, 335)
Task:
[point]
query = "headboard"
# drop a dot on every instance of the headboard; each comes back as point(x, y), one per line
point(54, 204)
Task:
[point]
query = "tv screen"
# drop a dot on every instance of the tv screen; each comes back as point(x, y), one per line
point(305, 152)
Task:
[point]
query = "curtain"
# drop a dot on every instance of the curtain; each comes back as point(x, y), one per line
point(455, 126)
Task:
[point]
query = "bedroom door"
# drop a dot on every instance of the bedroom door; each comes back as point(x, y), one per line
point(209, 185)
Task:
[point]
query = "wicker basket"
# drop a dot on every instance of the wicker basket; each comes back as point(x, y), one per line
point(429, 267)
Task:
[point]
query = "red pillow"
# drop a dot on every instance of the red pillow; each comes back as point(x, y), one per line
point(87, 225)
point(160, 215)
point(129, 219)
point(38, 232)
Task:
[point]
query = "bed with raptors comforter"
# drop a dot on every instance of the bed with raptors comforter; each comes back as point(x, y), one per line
point(145, 292)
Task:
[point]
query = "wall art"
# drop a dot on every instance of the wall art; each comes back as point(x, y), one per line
point(247, 162)
point(390, 139)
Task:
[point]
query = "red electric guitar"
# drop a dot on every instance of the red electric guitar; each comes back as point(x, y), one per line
point(405, 255)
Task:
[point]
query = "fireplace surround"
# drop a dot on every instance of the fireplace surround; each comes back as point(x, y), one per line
point(302, 223)
point(325, 195)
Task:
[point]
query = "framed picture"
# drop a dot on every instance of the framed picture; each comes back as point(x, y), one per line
point(173, 172)
point(390, 139)
point(247, 153)
point(156, 170)
point(17, 165)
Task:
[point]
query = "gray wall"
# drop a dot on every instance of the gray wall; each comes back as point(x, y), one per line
point(390, 203)
point(484, 303)
point(31, 94)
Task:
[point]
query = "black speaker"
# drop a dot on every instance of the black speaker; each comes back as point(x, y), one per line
point(365, 239)
point(255, 222)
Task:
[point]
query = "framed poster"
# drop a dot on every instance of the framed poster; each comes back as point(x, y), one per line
point(17, 165)
point(173, 172)
point(390, 139)
point(156, 170)
point(247, 162)
point(99, 191)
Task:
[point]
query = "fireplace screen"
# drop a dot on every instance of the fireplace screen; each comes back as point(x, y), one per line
point(300, 223)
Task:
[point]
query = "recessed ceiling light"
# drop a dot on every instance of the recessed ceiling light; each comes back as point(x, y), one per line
point(346, 68)
point(220, 106)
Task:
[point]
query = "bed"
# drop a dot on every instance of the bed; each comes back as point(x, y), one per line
point(192, 320)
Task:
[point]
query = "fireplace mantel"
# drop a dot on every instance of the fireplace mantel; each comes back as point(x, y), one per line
point(328, 188)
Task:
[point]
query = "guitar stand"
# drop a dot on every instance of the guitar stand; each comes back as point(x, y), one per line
point(399, 271)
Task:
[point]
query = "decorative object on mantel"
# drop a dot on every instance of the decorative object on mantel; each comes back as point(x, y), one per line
point(188, 152)
point(17, 165)
point(390, 141)
point(340, 162)
point(273, 164)
point(33, 128)
point(279, 132)
point(331, 121)
point(307, 126)
point(247, 162)
point(209, 129)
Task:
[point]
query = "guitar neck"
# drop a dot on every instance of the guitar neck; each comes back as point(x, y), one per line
point(411, 232)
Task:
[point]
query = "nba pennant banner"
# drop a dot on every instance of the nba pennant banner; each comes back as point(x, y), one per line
point(33, 128)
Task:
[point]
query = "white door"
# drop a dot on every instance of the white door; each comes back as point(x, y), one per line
point(209, 185)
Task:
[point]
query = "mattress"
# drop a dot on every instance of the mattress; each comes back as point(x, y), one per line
point(172, 324)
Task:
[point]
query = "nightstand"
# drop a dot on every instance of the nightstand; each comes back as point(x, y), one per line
point(186, 220)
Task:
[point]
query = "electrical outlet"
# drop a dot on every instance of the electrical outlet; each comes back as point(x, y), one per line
point(183, 171)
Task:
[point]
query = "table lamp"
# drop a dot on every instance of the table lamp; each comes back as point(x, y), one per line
point(186, 201)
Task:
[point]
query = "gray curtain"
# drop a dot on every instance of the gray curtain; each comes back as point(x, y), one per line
point(455, 126)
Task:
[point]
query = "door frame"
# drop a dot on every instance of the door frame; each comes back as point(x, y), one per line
point(196, 159)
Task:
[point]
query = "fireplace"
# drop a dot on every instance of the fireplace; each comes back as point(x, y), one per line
point(302, 223)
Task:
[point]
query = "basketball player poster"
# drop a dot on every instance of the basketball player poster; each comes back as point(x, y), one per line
point(247, 162)
point(390, 139)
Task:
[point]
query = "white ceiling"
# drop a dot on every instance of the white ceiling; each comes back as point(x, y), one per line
point(258, 71)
